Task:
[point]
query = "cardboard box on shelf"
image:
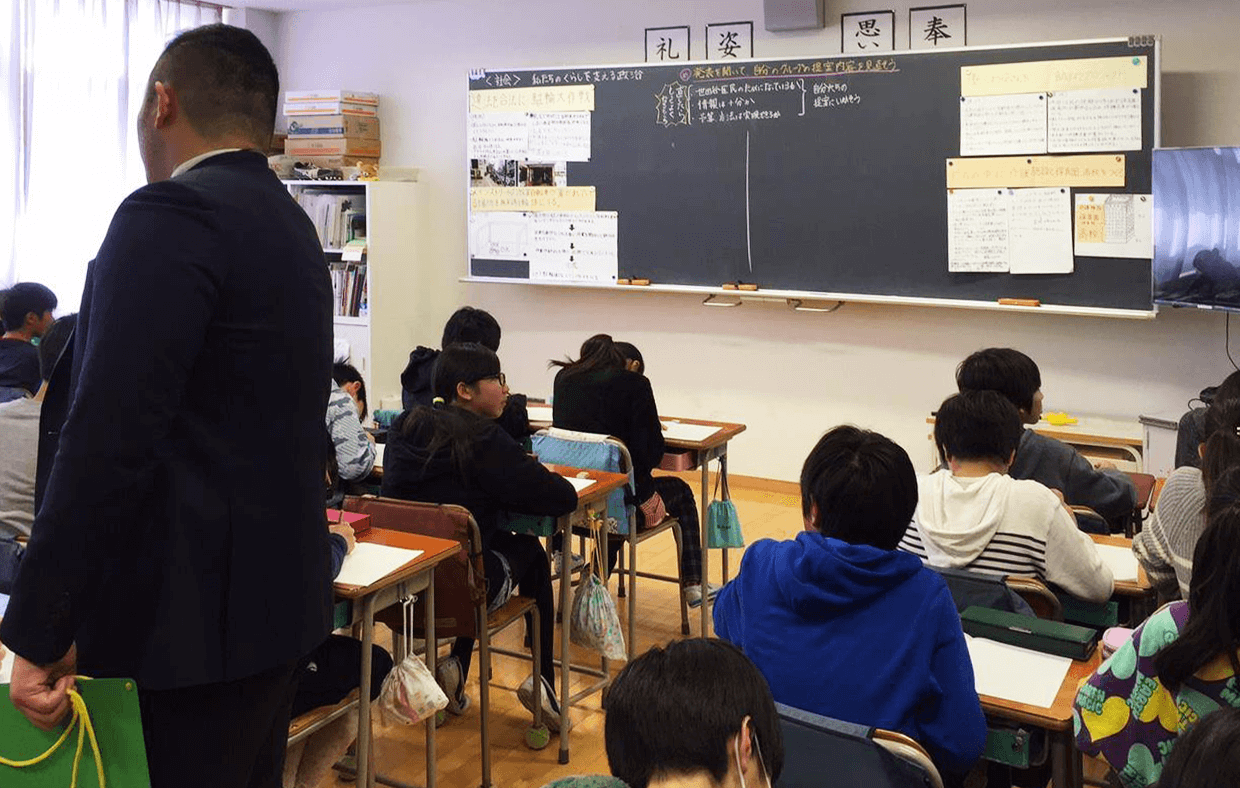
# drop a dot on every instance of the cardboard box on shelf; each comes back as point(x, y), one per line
point(324, 126)
point(297, 108)
point(337, 146)
point(354, 96)
point(336, 162)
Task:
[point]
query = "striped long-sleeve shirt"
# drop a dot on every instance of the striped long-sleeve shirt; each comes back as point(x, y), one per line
point(1165, 546)
point(355, 453)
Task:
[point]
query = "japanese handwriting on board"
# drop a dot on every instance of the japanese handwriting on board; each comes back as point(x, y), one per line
point(872, 31)
point(667, 44)
point(729, 40)
point(936, 27)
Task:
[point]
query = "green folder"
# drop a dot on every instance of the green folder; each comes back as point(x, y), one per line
point(113, 707)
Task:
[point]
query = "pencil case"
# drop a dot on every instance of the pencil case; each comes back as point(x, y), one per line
point(1036, 634)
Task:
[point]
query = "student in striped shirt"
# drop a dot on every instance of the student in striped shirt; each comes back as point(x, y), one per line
point(972, 515)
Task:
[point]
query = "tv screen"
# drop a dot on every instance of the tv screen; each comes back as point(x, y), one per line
point(1197, 227)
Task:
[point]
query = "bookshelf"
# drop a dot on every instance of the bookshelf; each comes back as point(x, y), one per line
point(382, 334)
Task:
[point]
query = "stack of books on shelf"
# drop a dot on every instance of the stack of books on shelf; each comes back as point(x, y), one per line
point(332, 128)
point(349, 289)
point(338, 218)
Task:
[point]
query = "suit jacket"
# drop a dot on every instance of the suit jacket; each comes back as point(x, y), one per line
point(181, 538)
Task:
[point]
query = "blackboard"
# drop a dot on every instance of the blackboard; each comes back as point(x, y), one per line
point(843, 193)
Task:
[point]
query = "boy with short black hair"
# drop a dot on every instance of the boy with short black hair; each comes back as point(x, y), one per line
point(844, 625)
point(972, 515)
point(1107, 491)
point(467, 324)
point(27, 316)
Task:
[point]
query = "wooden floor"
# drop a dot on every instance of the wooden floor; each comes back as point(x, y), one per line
point(767, 509)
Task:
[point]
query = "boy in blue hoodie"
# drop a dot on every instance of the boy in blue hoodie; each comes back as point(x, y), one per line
point(842, 624)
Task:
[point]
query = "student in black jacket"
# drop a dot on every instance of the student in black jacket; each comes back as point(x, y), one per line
point(599, 393)
point(455, 452)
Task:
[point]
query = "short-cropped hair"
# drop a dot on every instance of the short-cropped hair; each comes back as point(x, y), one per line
point(864, 486)
point(469, 324)
point(25, 298)
point(674, 709)
point(977, 425)
point(1001, 369)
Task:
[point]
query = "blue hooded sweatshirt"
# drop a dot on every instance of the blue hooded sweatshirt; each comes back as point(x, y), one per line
point(859, 634)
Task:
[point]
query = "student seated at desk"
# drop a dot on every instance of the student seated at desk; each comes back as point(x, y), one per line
point(972, 515)
point(466, 324)
point(330, 673)
point(19, 438)
point(1179, 666)
point(350, 381)
point(597, 393)
point(1057, 465)
point(353, 449)
point(844, 625)
point(693, 714)
point(454, 452)
point(27, 316)
point(1165, 546)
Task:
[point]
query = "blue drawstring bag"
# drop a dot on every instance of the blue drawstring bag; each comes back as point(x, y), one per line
point(723, 525)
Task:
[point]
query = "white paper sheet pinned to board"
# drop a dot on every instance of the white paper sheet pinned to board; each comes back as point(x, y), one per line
point(1002, 125)
point(1115, 225)
point(1107, 119)
point(1040, 231)
point(977, 230)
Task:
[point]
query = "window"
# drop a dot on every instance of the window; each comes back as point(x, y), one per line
point(71, 82)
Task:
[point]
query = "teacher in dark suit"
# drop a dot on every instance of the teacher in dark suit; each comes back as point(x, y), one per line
point(181, 537)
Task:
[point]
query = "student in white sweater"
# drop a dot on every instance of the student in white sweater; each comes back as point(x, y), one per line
point(972, 515)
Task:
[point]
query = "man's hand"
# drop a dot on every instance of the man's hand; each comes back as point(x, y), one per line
point(41, 693)
point(1105, 465)
point(345, 530)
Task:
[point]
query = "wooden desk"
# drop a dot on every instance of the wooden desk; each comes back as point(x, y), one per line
point(1130, 588)
point(414, 577)
point(1127, 437)
point(713, 447)
point(1055, 720)
point(593, 496)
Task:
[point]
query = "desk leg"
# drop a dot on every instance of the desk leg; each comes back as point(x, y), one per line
point(703, 504)
point(566, 624)
point(432, 656)
point(1066, 769)
point(365, 770)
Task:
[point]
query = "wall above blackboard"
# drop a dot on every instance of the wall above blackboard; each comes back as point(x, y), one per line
point(819, 177)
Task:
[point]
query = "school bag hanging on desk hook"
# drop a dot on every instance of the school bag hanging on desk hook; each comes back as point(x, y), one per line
point(723, 525)
point(410, 693)
point(594, 620)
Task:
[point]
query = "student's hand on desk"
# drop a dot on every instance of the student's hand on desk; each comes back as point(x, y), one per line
point(1106, 465)
point(345, 530)
point(41, 693)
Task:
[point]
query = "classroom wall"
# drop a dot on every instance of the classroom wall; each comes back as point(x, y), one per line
point(789, 376)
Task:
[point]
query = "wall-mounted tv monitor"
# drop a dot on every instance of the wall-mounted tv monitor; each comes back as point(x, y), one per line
point(1197, 227)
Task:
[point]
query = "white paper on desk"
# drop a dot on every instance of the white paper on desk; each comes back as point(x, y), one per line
point(578, 484)
point(538, 412)
point(679, 431)
point(370, 562)
point(380, 454)
point(1115, 225)
point(1091, 121)
point(1040, 230)
point(1016, 674)
point(1121, 560)
point(977, 230)
point(1002, 125)
point(560, 136)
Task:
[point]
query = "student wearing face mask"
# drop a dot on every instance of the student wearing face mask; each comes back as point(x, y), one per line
point(454, 452)
point(693, 714)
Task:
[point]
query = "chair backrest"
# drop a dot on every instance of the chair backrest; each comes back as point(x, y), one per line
point(820, 752)
point(1043, 601)
point(460, 581)
point(907, 749)
point(980, 589)
point(1090, 521)
point(595, 451)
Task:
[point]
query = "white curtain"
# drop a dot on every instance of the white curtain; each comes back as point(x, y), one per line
point(71, 83)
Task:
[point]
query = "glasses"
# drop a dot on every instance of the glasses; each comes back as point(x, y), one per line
point(498, 377)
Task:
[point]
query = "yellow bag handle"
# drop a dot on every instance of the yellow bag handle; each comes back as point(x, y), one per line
point(85, 729)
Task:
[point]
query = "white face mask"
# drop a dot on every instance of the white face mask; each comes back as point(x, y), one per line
point(761, 765)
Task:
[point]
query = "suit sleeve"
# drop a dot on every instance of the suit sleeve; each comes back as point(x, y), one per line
point(955, 729)
point(152, 291)
point(1108, 492)
point(517, 481)
point(645, 429)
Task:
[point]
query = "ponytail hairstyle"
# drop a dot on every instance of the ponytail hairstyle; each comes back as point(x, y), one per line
point(468, 363)
point(597, 352)
point(1213, 627)
point(1221, 450)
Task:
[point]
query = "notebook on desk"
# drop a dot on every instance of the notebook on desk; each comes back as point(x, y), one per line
point(1122, 562)
point(677, 430)
point(369, 563)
